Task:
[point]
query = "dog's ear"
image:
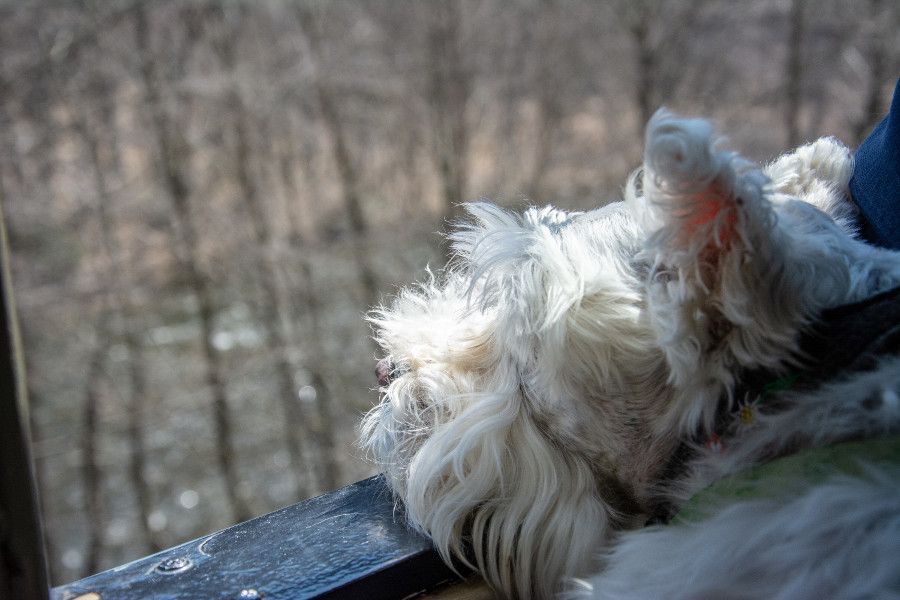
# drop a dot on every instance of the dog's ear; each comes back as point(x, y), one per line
point(494, 493)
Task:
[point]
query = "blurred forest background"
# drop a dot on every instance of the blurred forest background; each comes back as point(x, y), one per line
point(203, 198)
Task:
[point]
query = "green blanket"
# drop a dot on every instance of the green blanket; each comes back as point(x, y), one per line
point(789, 476)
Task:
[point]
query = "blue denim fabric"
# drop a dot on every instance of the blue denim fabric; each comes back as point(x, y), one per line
point(875, 185)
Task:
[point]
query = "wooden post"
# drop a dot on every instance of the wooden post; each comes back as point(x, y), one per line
point(23, 566)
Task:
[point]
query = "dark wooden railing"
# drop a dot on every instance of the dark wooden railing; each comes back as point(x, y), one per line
point(347, 544)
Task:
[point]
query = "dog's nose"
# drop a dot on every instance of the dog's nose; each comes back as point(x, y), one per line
point(384, 370)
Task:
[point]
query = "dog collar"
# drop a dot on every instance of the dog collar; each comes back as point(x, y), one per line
point(847, 339)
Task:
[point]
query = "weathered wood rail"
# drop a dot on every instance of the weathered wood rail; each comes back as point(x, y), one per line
point(346, 544)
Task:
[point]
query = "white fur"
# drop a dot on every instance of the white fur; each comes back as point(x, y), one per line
point(543, 383)
point(840, 539)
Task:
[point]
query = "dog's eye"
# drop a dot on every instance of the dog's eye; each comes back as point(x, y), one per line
point(640, 267)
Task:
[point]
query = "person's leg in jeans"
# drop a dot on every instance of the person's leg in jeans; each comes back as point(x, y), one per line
point(875, 185)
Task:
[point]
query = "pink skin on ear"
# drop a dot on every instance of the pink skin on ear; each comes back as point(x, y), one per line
point(705, 208)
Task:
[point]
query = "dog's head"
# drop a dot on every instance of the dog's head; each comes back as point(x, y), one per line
point(534, 395)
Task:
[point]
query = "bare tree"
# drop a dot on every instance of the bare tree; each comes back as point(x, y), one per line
point(549, 102)
point(449, 88)
point(91, 469)
point(119, 287)
point(274, 317)
point(877, 27)
point(321, 424)
point(137, 465)
point(324, 427)
point(326, 103)
point(660, 37)
point(793, 73)
point(174, 155)
point(639, 27)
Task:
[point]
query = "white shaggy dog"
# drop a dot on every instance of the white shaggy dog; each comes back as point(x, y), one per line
point(573, 374)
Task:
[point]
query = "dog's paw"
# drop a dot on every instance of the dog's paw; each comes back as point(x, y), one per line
point(823, 162)
point(819, 174)
point(701, 198)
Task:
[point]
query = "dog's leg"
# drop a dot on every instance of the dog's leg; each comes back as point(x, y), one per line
point(736, 271)
point(721, 294)
point(817, 173)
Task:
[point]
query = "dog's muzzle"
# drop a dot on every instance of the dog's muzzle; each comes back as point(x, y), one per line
point(384, 371)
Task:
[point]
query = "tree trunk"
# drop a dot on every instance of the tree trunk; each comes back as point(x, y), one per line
point(547, 121)
point(108, 317)
point(275, 321)
point(450, 86)
point(877, 50)
point(289, 161)
point(138, 457)
point(93, 493)
point(322, 426)
point(793, 84)
point(272, 304)
point(326, 103)
point(323, 432)
point(120, 305)
point(646, 68)
point(173, 153)
point(660, 49)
